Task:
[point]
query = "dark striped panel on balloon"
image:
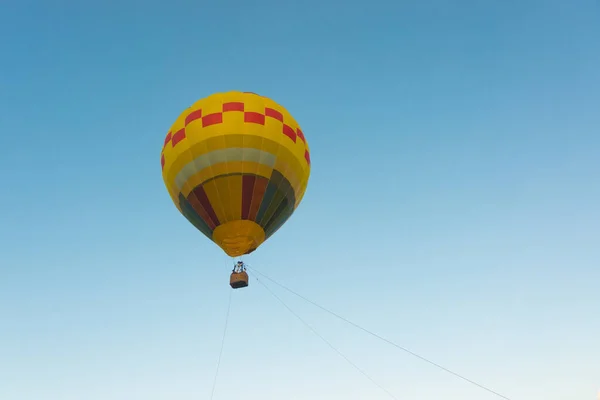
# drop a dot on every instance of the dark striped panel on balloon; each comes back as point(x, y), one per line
point(201, 204)
point(191, 215)
point(282, 214)
point(283, 206)
point(280, 221)
point(277, 190)
point(267, 199)
point(247, 191)
point(279, 200)
point(271, 209)
point(258, 193)
point(200, 211)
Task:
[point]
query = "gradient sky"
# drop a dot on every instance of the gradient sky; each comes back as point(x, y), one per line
point(453, 207)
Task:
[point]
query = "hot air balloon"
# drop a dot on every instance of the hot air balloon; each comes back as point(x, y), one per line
point(236, 165)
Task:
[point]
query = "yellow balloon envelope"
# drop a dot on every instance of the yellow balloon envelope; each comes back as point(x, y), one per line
point(236, 165)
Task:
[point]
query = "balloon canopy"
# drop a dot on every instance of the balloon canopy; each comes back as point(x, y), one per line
point(236, 165)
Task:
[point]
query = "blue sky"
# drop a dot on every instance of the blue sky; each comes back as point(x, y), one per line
point(453, 205)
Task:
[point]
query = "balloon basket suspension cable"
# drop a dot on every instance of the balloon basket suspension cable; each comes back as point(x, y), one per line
point(255, 272)
point(327, 342)
point(212, 393)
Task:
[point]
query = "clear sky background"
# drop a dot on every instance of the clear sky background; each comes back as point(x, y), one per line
point(453, 207)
